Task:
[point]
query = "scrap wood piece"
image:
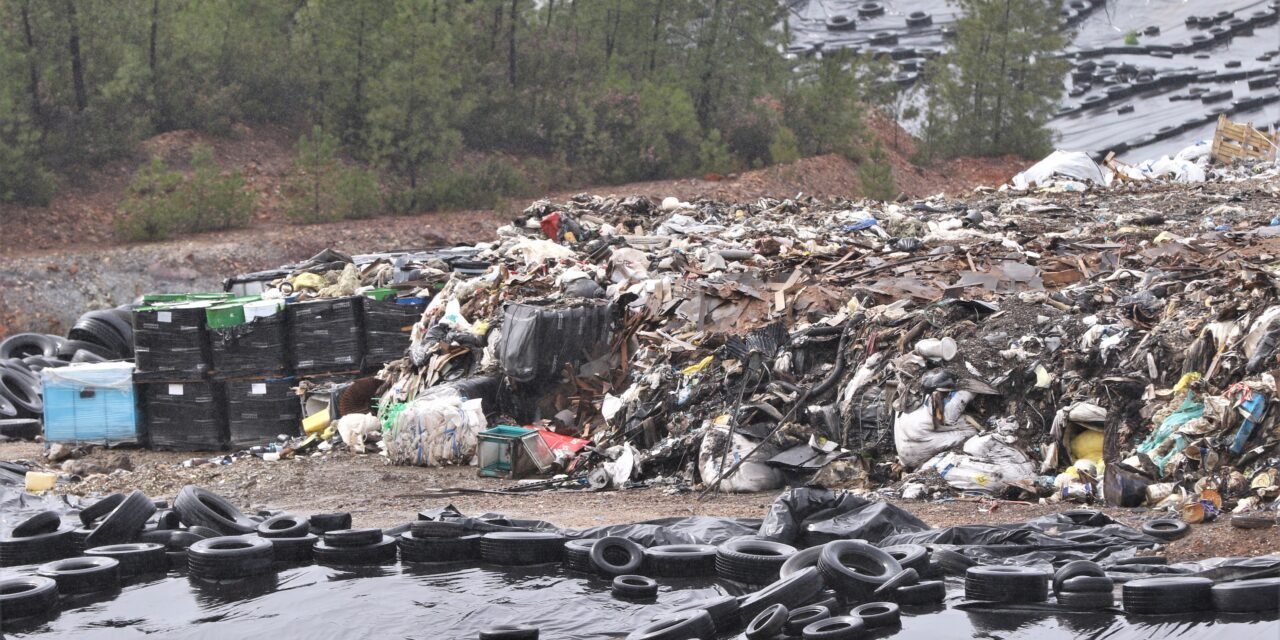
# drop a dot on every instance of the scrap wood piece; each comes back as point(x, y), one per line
point(1234, 141)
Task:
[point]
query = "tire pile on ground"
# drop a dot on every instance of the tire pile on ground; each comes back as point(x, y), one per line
point(1082, 585)
point(515, 548)
point(355, 547)
point(431, 541)
point(98, 336)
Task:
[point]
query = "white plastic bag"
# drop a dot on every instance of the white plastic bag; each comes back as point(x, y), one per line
point(437, 429)
point(753, 475)
point(918, 438)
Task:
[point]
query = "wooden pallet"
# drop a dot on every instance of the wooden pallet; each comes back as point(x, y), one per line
point(1239, 141)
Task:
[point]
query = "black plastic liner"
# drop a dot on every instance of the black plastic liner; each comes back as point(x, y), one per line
point(326, 336)
point(538, 342)
point(184, 416)
point(259, 410)
point(258, 348)
point(459, 600)
point(170, 344)
point(387, 330)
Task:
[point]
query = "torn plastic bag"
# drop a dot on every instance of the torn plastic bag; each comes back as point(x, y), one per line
point(986, 465)
point(537, 342)
point(1048, 539)
point(917, 437)
point(810, 516)
point(753, 475)
point(1069, 164)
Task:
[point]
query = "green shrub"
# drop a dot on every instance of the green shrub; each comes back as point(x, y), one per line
point(876, 175)
point(320, 188)
point(478, 188)
point(163, 202)
point(1131, 38)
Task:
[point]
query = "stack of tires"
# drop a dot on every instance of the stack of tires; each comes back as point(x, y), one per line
point(1082, 585)
point(290, 537)
point(514, 548)
point(355, 547)
point(1006, 584)
point(433, 541)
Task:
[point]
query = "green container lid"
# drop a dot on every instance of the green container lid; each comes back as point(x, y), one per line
point(228, 314)
point(379, 294)
point(159, 298)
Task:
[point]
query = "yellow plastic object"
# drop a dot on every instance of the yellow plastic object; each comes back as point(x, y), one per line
point(308, 281)
point(38, 481)
point(316, 422)
point(569, 237)
point(1088, 445)
point(480, 328)
point(1185, 381)
point(697, 368)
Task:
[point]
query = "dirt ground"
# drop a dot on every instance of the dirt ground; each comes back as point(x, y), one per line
point(381, 495)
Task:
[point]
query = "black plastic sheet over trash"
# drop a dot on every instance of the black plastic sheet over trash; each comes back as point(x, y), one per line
point(812, 515)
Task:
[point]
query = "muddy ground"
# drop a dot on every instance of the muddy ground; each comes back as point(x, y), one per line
point(381, 495)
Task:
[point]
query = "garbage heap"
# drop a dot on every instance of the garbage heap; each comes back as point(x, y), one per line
point(1115, 344)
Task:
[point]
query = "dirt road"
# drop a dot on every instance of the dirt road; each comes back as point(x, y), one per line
point(381, 495)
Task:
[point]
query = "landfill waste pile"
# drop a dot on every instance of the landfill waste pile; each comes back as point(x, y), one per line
point(1067, 337)
point(820, 565)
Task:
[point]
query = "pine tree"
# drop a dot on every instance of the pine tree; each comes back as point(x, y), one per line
point(997, 90)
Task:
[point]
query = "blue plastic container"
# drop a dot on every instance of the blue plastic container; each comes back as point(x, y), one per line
point(91, 404)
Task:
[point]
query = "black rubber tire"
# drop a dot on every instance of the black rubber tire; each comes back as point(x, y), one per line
point(801, 559)
point(83, 575)
point(1074, 569)
point(795, 591)
point(1154, 560)
point(435, 549)
point(21, 345)
point(41, 523)
point(752, 561)
point(1001, 583)
point(99, 510)
point(19, 389)
point(9, 411)
point(1259, 595)
point(158, 536)
point(325, 522)
point(878, 614)
point(68, 349)
point(910, 556)
point(199, 508)
point(381, 552)
point(510, 632)
point(904, 578)
point(577, 555)
point(17, 428)
point(922, 593)
point(952, 563)
point(229, 557)
point(85, 356)
point(298, 549)
point(855, 569)
point(177, 560)
point(284, 525)
point(37, 549)
point(680, 560)
point(521, 547)
point(768, 623)
point(124, 523)
point(1167, 595)
point(837, 628)
point(204, 532)
point(135, 558)
point(1087, 584)
point(1166, 529)
point(832, 603)
point(434, 529)
point(800, 618)
point(685, 625)
point(723, 610)
point(27, 596)
point(617, 556)
point(180, 540)
point(634, 587)
point(167, 519)
point(1085, 600)
point(353, 537)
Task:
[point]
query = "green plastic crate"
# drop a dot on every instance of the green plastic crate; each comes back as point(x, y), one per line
point(228, 314)
point(379, 294)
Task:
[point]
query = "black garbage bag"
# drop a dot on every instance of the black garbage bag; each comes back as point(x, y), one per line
point(810, 516)
point(662, 531)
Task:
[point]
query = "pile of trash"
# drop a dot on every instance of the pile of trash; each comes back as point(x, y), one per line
point(1111, 345)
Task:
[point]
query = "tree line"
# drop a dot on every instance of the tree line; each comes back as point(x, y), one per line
point(602, 90)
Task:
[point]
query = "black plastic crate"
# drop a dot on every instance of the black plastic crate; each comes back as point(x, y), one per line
point(170, 344)
point(255, 349)
point(388, 327)
point(184, 415)
point(326, 336)
point(259, 410)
